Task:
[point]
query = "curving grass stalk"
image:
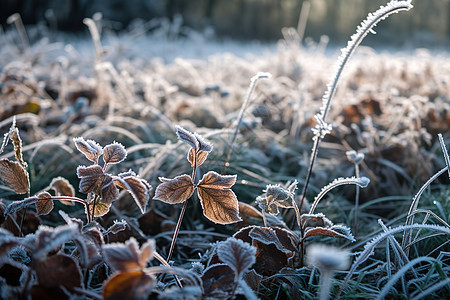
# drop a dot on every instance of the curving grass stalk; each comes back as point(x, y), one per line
point(322, 128)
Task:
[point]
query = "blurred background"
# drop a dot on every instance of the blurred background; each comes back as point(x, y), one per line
point(427, 25)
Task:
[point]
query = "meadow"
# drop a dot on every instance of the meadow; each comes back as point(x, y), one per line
point(147, 165)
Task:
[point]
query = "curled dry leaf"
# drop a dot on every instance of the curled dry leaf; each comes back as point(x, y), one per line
point(17, 142)
point(62, 187)
point(90, 148)
point(137, 187)
point(334, 231)
point(44, 204)
point(237, 254)
point(186, 137)
point(94, 180)
point(219, 203)
point(175, 190)
point(114, 153)
point(128, 285)
point(127, 257)
point(14, 176)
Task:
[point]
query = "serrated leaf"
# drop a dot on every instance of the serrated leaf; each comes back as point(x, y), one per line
point(203, 145)
point(237, 254)
point(44, 204)
point(219, 205)
point(128, 285)
point(175, 190)
point(14, 176)
point(138, 188)
point(114, 153)
point(127, 257)
point(201, 157)
point(62, 187)
point(17, 142)
point(216, 181)
point(93, 180)
point(90, 148)
point(187, 137)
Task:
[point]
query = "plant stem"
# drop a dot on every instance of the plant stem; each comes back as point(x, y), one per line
point(175, 234)
point(264, 217)
point(356, 201)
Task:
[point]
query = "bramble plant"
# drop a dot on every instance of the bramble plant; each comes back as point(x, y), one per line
point(219, 203)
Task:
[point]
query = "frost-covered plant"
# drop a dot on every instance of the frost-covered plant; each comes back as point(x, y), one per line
point(323, 128)
point(218, 201)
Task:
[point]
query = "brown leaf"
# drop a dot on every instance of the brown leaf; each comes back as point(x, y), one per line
point(138, 188)
point(214, 180)
point(127, 257)
point(44, 204)
point(334, 231)
point(175, 190)
point(58, 270)
point(14, 176)
point(93, 180)
point(219, 203)
point(89, 148)
point(114, 153)
point(100, 210)
point(62, 187)
point(128, 285)
point(248, 211)
point(17, 142)
point(315, 220)
point(219, 206)
point(201, 157)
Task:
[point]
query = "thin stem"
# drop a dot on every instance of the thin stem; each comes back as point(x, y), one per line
point(308, 176)
point(241, 115)
point(356, 201)
point(264, 217)
point(165, 263)
point(175, 234)
point(23, 215)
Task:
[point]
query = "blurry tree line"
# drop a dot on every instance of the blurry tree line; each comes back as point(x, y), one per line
point(246, 19)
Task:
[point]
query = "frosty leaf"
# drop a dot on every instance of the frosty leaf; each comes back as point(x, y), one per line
point(114, 153)
point(17, 205)
point(117, 227)
point(44, 204)
point(17, 142)
point(89, 148)
point(128, 257)
point(238, 255)
point(14, 176)
point(214, 180)
point(128, 285)
point(268, 236)
point(218, 281)
point(146, 253)
point(187, 137)
point(58, 270)
point(201, 157)
point(93, 180)
point(100, 209)
point(175, 190)
point(138, 188)
point(315, 220)
point(62, 187)
point(202, 144)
